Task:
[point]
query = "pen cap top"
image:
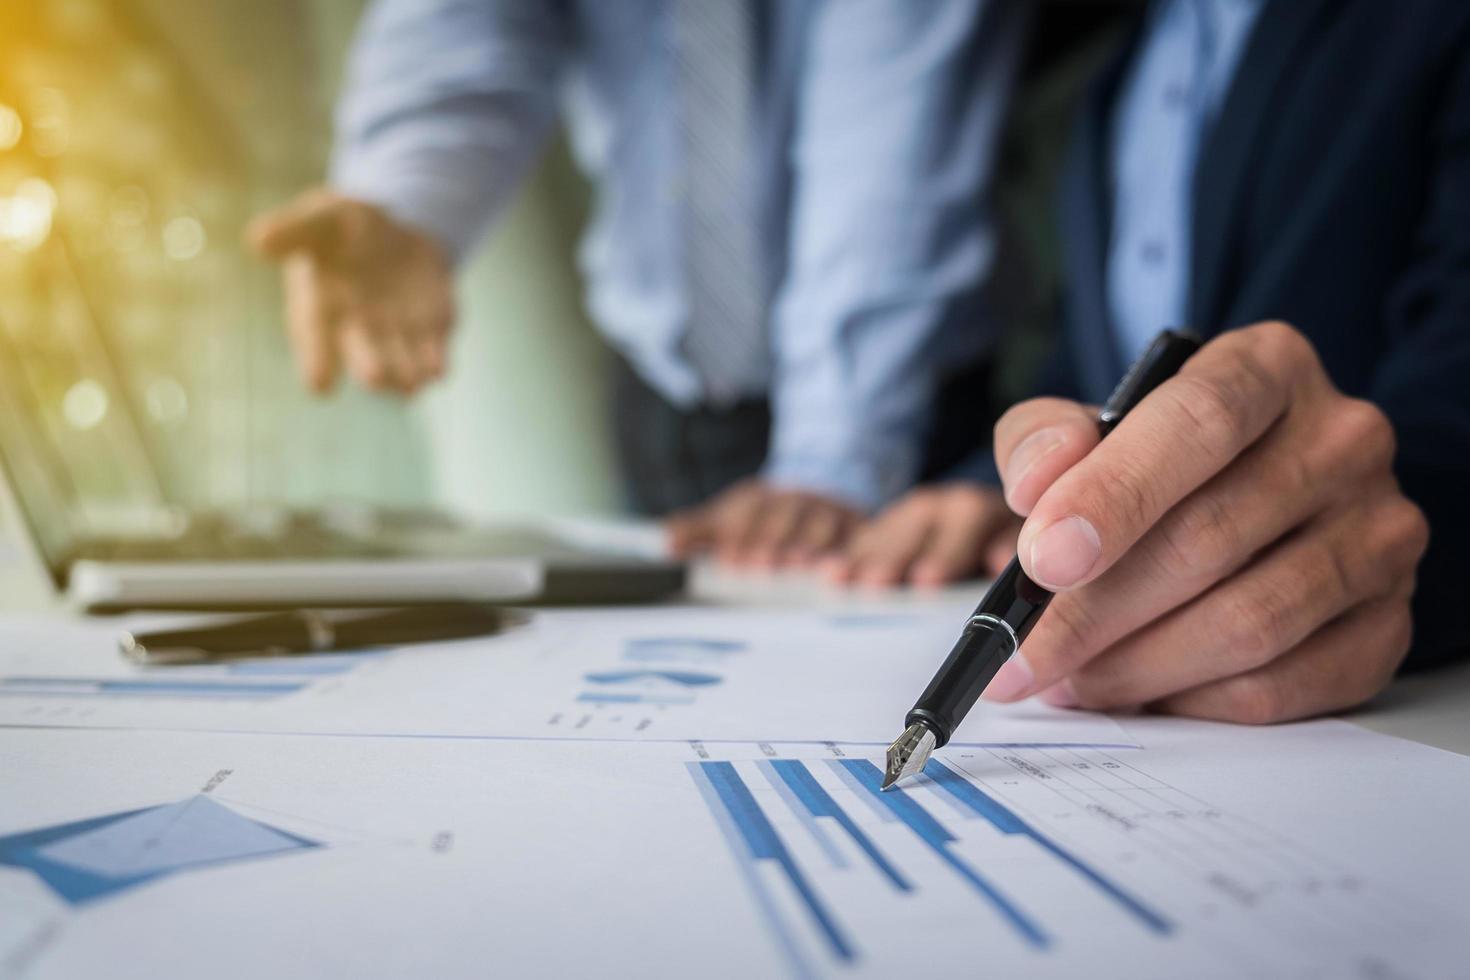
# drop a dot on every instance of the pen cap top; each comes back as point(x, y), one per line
point(1161, 361)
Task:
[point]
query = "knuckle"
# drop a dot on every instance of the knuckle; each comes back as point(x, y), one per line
point(1366, 432)
point(1202, 538)
point(1405, 529)
point(1259, 625)
point(1278, 342)
point(1278, 337)
point(1297, 475)
point(1121, 499)
point(1340, 578)
point(1210, 410)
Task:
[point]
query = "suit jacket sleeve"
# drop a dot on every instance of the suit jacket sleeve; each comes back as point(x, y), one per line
point(1423, 383)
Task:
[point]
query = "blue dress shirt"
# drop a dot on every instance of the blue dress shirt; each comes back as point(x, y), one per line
point(1180, 72)
point(878, 122)
point(1170, 95)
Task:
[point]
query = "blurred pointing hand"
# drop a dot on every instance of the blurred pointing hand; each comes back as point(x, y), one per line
point(364, 293)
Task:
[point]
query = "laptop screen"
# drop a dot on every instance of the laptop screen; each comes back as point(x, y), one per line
point(69, 446)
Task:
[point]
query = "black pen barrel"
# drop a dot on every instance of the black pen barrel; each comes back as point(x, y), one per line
point(1001, 622)
point(991, 635)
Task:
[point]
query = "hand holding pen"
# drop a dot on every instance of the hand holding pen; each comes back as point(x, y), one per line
point(1239, 549)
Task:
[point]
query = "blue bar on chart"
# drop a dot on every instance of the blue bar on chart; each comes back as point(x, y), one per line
point(320, 665)
point(680, 649)
point(903, 806)
point(1004, 820)
point(754, 840)
point(817, 802)
point(681, 678)
point(136, 687)
point(802, 812)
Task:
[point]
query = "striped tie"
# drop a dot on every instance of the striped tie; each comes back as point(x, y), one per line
point(725, 337)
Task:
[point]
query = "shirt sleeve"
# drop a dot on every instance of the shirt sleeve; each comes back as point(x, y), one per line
point(446, 104)
point(898, 115)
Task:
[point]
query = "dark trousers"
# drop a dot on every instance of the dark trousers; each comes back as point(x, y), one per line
point(674, 458)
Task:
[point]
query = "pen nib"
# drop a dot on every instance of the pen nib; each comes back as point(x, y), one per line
point(908, 753)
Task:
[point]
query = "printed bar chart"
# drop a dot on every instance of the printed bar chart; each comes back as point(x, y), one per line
point(813, 834)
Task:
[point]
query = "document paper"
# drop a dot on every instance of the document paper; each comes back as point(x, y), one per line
point(1315, 850)
point(637, 674)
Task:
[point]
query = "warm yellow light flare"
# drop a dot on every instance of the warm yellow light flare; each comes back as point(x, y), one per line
point(26, 215)
point(10, 128)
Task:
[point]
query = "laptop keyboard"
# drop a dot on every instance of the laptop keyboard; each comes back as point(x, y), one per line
point(217, 538)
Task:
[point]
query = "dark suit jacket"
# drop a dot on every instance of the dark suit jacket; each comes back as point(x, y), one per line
point(1333, 193)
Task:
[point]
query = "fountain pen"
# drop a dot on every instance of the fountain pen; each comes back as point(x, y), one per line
point(1013, 604)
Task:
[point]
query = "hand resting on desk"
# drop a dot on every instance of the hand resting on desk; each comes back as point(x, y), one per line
point(935, 534)
point(756, 524)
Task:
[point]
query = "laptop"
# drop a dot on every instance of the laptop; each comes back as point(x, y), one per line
point(91, 517)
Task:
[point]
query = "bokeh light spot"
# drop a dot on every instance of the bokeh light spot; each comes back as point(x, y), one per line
point(183, 239)
point(10, 128)
point(26, 215)
point(84, 405)
point(167, 401)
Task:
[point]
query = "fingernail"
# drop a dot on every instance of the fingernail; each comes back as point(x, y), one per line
point(1063, 554)
point(1031, 449)
point(1013, 681)
point(1061, 695)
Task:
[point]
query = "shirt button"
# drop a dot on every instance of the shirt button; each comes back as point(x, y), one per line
point(1153, 252)
point(1176, 96)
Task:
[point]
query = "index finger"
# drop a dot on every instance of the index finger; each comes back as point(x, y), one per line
point(1185, 432)
point(310, 316)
